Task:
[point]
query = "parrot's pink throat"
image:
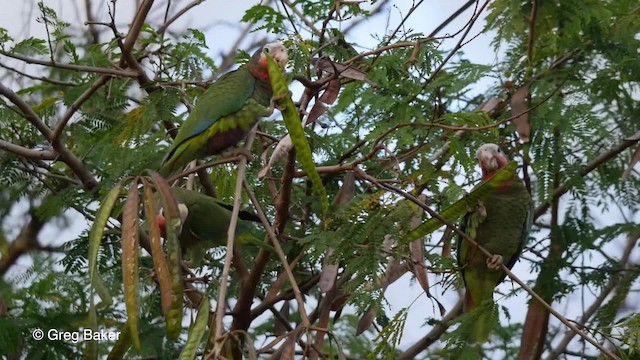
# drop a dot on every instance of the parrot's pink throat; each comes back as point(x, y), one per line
point(162, 224)
point(261, 72)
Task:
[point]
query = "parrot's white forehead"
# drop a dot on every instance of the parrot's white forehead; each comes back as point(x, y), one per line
point(492, 148)
point(274, 47)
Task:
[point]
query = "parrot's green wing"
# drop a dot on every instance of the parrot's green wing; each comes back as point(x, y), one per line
point(217, 121)
point(526, 228)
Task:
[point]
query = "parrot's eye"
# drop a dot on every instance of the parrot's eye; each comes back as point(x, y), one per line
point(267, 50)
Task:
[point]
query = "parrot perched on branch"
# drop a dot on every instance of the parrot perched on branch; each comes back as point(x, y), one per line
point(226, 111)
point(501, 225)
point(205, 222)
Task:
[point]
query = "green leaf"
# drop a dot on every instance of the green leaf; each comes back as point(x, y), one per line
point(273, 20)
point(190, 349)
point(31, 46)
point(97, 230)
point(130, 259)
point(173, 310)
point(294, 126)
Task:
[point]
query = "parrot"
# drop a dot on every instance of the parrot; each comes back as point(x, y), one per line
point(501, 224)
point(226, 111)
point(205, 222)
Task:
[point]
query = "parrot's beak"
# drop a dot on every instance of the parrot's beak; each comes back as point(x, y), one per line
point(488, 161)
point(281, 57)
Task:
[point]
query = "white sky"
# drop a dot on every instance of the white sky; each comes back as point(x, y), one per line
point(221, 21)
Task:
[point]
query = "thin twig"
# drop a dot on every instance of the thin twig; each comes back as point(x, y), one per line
point(606, 290)
point(79, 68)
point(68, 157)
point(231, 233)
point(594, 164)
point(39, 78)
point(283, 259)
point(77, 104)
point(177, 15)
point(302, 17)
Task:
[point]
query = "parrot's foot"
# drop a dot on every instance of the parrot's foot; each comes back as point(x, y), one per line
point(274, 103)
point(481, 210)
point(494, 262)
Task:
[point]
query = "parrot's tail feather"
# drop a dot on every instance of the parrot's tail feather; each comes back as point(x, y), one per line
point(481, 328)
point(483, 319)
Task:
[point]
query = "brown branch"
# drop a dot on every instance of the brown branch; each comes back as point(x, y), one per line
point(39, 78)
point(28, 153)
point(95, 34)
point(283, 259)
point(130, 41)
point(536, 323)
point(79, 68)
point(632, 240)
point(224, 279)
point(204, 166)
point(205, 181)
point(453, 16)
point(161, 30)
point(25, 241)
point(74, 163)
point(266, 303)
point(284, 195)
point(589, 167)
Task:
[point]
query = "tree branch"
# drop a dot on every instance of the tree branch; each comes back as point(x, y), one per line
point(433, 335)
point(594, 164)
point(28, 153)
point(74, 163)
point(632, 240)
point(79, 68)
point(25, 241)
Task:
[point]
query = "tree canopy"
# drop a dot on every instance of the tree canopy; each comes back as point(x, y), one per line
point(359, 180)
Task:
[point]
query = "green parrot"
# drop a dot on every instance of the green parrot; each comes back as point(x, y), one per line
point(226, 111)
point(500, 224)
point(205, 222)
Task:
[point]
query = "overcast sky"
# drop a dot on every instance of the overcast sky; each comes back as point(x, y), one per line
point(220, 21)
